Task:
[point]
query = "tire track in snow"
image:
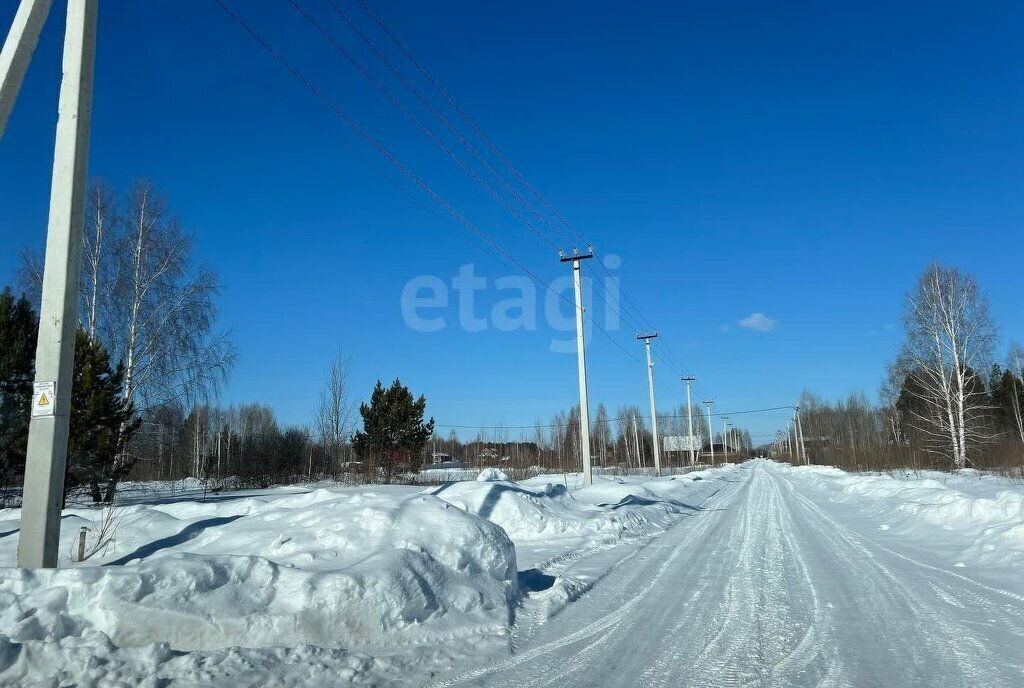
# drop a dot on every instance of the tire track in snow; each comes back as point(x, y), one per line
point(708, 518)
point(946, 638)
point(772, 590)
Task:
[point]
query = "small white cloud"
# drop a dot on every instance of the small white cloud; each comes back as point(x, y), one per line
point(759, 322)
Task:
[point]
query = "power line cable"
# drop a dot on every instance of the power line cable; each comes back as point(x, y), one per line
point(444, 120)
point(401, 166)
point(451, 102)
point(483, 137)
point(362, 69)
point(609, 420)
point(382, 150)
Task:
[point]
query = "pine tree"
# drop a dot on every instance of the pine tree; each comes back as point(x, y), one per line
point(101, 422)
point(18, 329)
point(1007, 401)
point(394, 434)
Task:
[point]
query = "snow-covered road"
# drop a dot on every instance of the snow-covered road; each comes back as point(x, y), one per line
point(771, 583)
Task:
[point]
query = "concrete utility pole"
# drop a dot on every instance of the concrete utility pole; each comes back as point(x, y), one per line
point(58, 314)
point(581, 360)
point(689, 418)
point(711, 433)
point(646, 338)
point(725, 438)
point(636, 442)
point(800, 434)
point(791, 438)
point(796, 440)
point(17, 52)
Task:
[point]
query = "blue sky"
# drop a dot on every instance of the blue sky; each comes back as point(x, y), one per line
point(798, 160)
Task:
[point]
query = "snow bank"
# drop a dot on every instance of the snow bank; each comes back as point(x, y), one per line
point(491, 475)
point(538, 511)
point(986, 512)
point(316, 587)
point(324, 568)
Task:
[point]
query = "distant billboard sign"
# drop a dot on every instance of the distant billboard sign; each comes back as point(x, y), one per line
point(682, 443)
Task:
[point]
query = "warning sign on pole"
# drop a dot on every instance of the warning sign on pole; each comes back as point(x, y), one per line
point(44, 398)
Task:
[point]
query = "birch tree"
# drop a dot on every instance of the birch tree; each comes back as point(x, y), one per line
point(101, 222)
point(949, 336)
point(334, 413)
point(601, 434)
point(144, 299)
point(163, 324)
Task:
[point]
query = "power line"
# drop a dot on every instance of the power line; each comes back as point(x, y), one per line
point(401, 166)
point(274, 92)
point(381, 149)
point(451, 102)
point(609, 420)
point(398, 104)
point(447, 123)
point(508, 164)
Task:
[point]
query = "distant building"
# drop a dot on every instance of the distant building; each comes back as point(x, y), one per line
point(442, 460)
point(720, 448)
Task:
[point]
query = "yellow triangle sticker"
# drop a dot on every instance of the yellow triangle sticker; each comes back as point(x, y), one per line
point(44, 400)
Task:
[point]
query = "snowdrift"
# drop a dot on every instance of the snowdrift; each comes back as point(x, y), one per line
point(611, 509)
point(318, 586)
point(325, 569)
point(983, 515)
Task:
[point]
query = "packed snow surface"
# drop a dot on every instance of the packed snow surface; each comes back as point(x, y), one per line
point(761, 574)
point(784, 578)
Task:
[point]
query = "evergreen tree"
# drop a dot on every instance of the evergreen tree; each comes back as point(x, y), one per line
point(18, 330)
point(101, 423)
point(1007, 401)
point(913, 410)
point(394, 434)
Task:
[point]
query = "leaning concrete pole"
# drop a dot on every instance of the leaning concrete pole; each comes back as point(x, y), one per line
point(58, 316)
point(17, 52)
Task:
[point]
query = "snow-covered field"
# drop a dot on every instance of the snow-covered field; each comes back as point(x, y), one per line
point(760, 574)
